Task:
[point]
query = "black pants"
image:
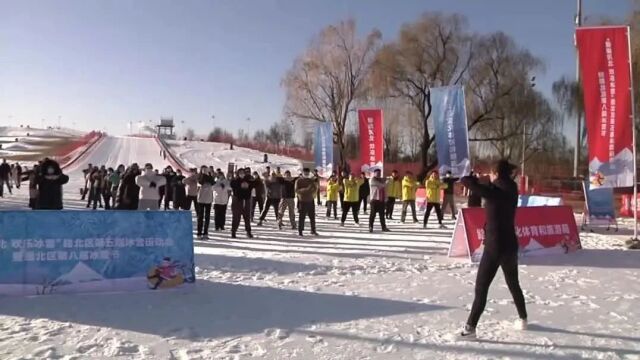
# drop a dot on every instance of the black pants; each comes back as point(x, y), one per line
point(391, 203)
point(107, 200)
point(203, 211)
point(167, 200)
point(332, 205)
point(431, 206)
point(353, 206)
point(259, 201)
point(412, 205)
point(341, 196)
point(377, 208)
point(318, 195)
point(486, 272)
point(240, 208)
point(271, 203)
point(4, 181)
point(363, 203)
point(95, 198)
point(449, 201)
point(220, 216)
point(307, 209)
point(192, 200)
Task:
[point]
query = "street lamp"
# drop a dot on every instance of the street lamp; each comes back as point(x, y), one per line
point(532, 84)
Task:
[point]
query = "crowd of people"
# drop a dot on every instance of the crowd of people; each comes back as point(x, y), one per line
point(252, 195)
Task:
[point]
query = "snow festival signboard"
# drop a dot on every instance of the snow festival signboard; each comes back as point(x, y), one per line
point(55, 252)
point(371, 142)
point(450, 123)
point(606, 76)
point(540, 230)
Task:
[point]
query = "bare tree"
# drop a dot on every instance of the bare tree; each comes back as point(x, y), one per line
point(435, 50)
point(324, 82)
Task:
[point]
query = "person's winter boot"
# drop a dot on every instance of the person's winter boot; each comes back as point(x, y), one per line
point(386, 230)
point(250, 235)
point(468, 332)
point(260, 223)
point(370, 229)
point(233, 235)
point(442, 226)
point(520, 324)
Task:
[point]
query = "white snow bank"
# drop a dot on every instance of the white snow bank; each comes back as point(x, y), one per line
point(195, 154)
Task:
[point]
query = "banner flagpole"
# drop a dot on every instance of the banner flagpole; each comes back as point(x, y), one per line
point(633, 134)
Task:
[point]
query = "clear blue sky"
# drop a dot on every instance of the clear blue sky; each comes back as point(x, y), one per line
point(102, 63)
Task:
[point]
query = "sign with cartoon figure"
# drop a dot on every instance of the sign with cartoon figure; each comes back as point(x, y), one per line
point(54, 252)
point(540, 231)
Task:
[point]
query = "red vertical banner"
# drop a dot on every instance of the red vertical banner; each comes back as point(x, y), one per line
point(371, 142)
point(606, 81)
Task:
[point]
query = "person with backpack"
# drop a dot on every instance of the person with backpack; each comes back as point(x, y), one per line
point(500, 243)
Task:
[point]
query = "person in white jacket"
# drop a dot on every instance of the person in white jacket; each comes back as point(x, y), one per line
point(205, 199)
point(149, 184)
point(221, 194)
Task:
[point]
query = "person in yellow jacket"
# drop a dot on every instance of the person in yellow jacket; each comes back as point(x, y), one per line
point(351, 198)
point(433, 186)
point(409, 187)
point(394, 192)
point(332, 197)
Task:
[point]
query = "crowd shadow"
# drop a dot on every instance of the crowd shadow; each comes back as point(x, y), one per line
point(208, 310)
point(241, 264)
point(598, 258)
point(498, 349)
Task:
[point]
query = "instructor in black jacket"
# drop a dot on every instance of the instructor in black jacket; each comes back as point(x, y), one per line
point(500, 244)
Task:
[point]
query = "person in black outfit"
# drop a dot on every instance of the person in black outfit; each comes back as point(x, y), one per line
point(49, 181)
point(449, 195)
point(5, 173)
point(500, 244)
point(258, 199)
point(18, 175)
point(129, 191)
point(179, 192)
point(168, 189)
point(241, 185)
point(474, 199)
point(363, 193)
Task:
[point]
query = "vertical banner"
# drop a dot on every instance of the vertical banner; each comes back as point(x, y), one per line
point(606, 81)
point(371, 142)
point(450, 122)
point(323, 147)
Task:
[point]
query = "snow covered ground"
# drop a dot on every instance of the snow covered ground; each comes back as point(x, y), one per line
point(195, 154)
point(344, 295)
point(29, 143)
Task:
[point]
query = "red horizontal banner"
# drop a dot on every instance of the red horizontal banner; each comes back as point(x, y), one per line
point(541, 230)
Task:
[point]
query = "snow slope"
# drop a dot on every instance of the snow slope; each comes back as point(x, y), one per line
point(195, 154)
point(344, 295)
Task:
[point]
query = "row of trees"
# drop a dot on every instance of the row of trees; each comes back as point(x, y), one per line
point(341, 71)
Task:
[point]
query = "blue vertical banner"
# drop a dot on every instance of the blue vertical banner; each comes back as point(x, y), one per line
point(323, 147)
point(450, 122)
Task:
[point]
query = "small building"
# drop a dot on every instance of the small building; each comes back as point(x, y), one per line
point(165, 129)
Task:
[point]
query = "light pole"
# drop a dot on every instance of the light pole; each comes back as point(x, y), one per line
point(532, 84)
